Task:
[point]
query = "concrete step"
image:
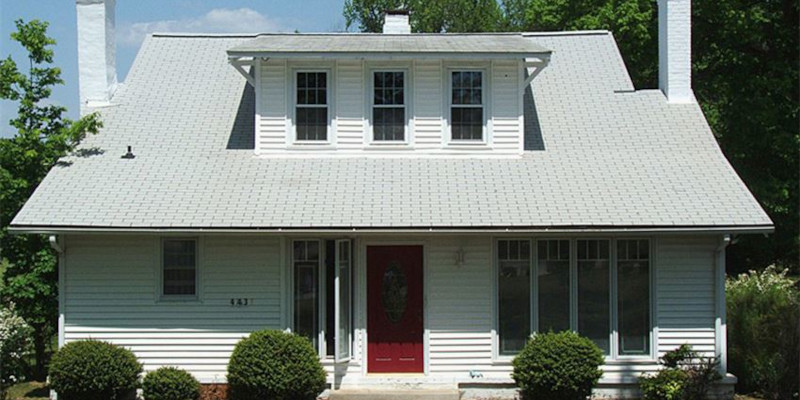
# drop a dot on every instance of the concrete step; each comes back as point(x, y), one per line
point(390, 393)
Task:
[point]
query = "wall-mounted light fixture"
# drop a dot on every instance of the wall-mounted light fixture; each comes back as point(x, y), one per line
point(460, 257)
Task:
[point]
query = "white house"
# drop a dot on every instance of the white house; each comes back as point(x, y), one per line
point(415, 204)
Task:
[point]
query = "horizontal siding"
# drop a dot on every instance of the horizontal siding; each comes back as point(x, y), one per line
point(685, 293)
point(506, 135)
point(272, 112)
point(351, 111)
point(428, 104)
point(112, 294)
point(111, 291)
point(350, 105)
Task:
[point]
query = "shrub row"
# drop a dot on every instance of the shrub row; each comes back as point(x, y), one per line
point(265, 365)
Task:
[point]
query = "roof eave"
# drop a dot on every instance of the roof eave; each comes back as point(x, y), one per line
point(235, 55)
point(617, 230)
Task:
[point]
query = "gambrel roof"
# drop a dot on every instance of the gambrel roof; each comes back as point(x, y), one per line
point(599, 155)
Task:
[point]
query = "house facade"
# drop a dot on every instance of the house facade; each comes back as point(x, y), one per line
point(416, 205)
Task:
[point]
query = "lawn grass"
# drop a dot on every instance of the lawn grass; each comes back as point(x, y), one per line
point(29, 391)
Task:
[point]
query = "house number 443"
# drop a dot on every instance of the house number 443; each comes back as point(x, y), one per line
point(241, 302)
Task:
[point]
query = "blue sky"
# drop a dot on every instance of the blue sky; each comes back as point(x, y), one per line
point(135, 18)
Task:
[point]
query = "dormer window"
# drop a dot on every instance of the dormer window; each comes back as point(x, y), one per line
point(311, 110)
point(466, 106)
point(388, 106)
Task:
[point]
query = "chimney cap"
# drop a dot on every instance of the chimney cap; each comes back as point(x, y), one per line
point(397, 11)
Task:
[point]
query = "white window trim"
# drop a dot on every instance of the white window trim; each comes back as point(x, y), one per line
point(447, 137)
point(321, 348)
point(292, 114)
point(197, 262)
point(613, 357)
point(407, 106)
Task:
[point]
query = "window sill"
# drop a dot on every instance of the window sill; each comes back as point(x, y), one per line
point(311, 145)
point(467, 144)
point(389, 145)
point(178, 299)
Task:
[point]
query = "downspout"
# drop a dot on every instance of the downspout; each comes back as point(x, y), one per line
point(59, 249)
point(720, 322)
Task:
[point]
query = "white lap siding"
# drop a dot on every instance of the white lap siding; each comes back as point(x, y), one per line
point(111, 288)
point(112, 293)
point(686, 296)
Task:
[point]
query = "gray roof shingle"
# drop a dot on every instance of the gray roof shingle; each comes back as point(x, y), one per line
point(598, 155)
point(506, 45)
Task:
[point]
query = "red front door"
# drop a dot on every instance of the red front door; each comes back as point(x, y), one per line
point(394, 312)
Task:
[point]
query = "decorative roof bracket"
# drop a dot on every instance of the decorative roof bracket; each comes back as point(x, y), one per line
point(239, 63)
point(537, 65)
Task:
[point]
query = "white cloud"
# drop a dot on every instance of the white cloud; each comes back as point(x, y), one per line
point(219, 20)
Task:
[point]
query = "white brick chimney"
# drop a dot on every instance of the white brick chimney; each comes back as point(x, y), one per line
point(396, 22)
point(97, 73)
point(675, 50)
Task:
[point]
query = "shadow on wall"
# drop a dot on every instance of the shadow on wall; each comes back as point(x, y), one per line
point(533, 131)
point(242, 135)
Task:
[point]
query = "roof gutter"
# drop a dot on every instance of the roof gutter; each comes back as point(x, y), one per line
point(617, 230)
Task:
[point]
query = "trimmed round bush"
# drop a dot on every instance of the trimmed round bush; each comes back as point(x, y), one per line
point(170, 383)
point(275, 365)
point(94, 370)
point(558, 366)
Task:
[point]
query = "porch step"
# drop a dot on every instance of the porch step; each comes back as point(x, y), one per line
point(392, 393)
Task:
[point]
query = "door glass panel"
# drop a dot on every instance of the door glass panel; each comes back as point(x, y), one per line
point(514, 292)
point(343, 307)
point(394, 293)
point(306, 289)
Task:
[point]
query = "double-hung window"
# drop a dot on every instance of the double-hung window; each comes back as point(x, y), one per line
point(311, 106)
point(179, 268)
point(388, 106)
point(597, 287)
point(466, 105)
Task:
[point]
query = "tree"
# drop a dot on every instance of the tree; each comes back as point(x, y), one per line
point(745, 62)
point(427, 15)
point(43, 135)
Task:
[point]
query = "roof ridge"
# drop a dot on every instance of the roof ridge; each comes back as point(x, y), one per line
point(204, 35)
point(568, 33)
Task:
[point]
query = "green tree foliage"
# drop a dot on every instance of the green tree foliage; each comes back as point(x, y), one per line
point(427, 15)
point(764, 333)
point(633, 22)
point(43, 135)
point(745, 62)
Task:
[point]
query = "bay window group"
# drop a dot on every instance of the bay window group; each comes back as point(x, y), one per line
point(599, 288)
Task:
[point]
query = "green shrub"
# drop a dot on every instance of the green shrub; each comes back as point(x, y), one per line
point(94, 370)
point(275, 365)
point(685, 376)
point(558, 366)
point(169, 383)
point(763, 333)
point(14, 345)
point(667, 384)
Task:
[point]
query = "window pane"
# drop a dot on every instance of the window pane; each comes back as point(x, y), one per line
point(633, 280)
point(344, 299)
point(389, 123)
point(553, 285)
point(593, 292)
point(306, 289)
point(389, 88)
point(180, 267)
point(514, 292)
point(311, 88)
point(467, 123)
point(467, 87)
point(312, 123)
